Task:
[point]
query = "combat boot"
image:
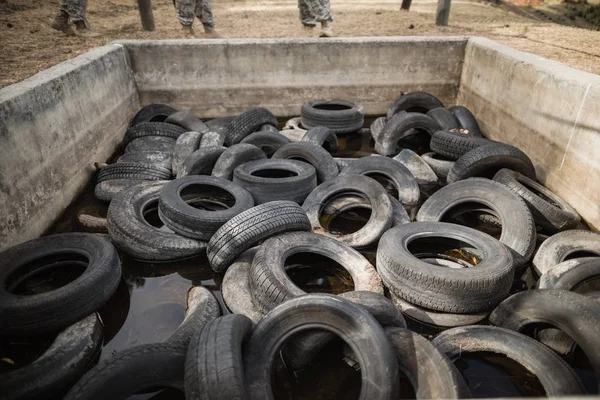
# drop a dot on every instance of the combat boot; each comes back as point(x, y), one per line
point(210, 31)
point(326, 29)
point(82, 30)
point(61, 23)
point(309, 30)
point(188, 31)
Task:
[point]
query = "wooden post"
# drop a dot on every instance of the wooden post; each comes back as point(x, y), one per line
point(443, 12)
point(405, 5)
point(145, 7)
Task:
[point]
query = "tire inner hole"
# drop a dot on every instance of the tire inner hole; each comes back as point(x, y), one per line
point(417, 140)
point(539, 194)
point(207, 197)
point(386, 182)
point(158, 393)
point(589, 285)
point(581, 254)
point(345, 214)
point(315, 273)
point(444, 252)
point(46, 274)
point(273, 173)
point(491, 375)
point(331, 106)
point(17, 352)
point(150, 214)
point(477, 216)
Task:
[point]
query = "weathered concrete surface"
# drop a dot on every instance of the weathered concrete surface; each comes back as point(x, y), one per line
point(225, 77)
point(548, 110)
point(53, 127)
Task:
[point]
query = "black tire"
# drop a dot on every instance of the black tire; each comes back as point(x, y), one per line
point(379, 368)
point(201, 222)
point(430, 372)
point(234, 156)
point(146, 129)
point(455, 144)
point(133, 170)
point(248, 122)
point(155, 158)
point(393, 171)
point(235, 288)
point(466, 120)
point(401, 126)
point(152, 113)
point(52, 311)
point(151, 143)
point(220, 124)
point(518, 227)
point(414, 102)
point(549, 211)
point(486, 160)
point(186, 144)
point(322, 136)
point(296, 187)
point(439, 164)
point(377, 127)
point(268, 128)
point(315, 155)
point(338, 115)
point(188, 121)
point(268, 142)
point(380, 203)
point(62, 364)
point(252, 226)
point(555, 375)
point(558, 247)
point(214, 369)
point(426, 179)
point(107, 190)
point(270, 284)
point(454, 290)
point(212, 139)
point(344, 162)
point(130, 371)
point(201, 161)
point(134, 236)
point(444, 118)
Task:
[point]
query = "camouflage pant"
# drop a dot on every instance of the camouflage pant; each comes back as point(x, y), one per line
point(188, 9)
point(313, 11)
point(74, 8)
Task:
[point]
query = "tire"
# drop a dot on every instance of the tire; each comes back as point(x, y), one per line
point(439, 165)
point(154, 158)
point(214, 368)
point(200, 222)
point(185, 145)
point(518, 227)
point(268, 142)
point(414, 102)
point(453, 290)
point(444, 118)
point(294, 188)
point(235, 287)
point(322, 136)
point(377, 127)
point(133, 170)
point(107, 190)
point(61, 365)
point(248, 122)
point(92, 223)
point(220, 125)
point(430, 372)
point(379, 368)
point(487, 160)
point(151, 143)
point(135, 237)
point(270, 284)
point(381, 208)
point(268, 128)
point(201, 161)
point(149, 129)
point(315, 155)
point(557, 378)
point(558, 247)
point(426, 179)
point(466, 120)
point(549, 211)
point(344, 162)
point(338, 115)
point(454, 144)
point(55, 310)
point(401, 126)
point(188, 121)
point(130, 371)
point(235, 156)
point(252, 226)
point(152, 113)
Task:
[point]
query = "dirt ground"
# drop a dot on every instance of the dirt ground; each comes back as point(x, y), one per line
point(28, 45)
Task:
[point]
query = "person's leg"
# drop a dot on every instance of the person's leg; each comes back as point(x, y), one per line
point(77, 10)
point(61, 19)
point(205, 15)
point(306, 16)
point(321, 9)
point(185, 12)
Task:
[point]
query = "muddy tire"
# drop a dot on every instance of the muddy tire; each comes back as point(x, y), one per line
point(338, 115)
point(252, 226)
point(146, 129)
point(188, 121)
point(558, 247)
point(425, 177)
point(454, 145)
point(439, 165)
point(235, 156)
point(152, 113)
point(133, 170)
point(57, 309)
point(107, 190)
point(248, 122)
point(466, 119)
point(377, 127)
point(155, 158)
point(315, 155)
point(270, 284)
point(151, 143)
point(322, 136)
point(444, 118)
point(237, 294)
point(212, 139)
point(201, 161)
point(414, 102)
point(401, 126)
point(268, 142)
point(186, 144)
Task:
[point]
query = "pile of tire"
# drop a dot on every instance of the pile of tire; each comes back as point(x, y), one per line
point(452, 226)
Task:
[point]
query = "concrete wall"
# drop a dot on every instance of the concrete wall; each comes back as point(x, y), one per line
point(225, 77)
point(53, 127)
point(548, 110)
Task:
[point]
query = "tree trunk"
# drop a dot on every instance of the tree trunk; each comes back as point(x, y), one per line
point(145, 7)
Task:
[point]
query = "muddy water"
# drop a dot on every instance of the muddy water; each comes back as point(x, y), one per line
point(150, 304)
